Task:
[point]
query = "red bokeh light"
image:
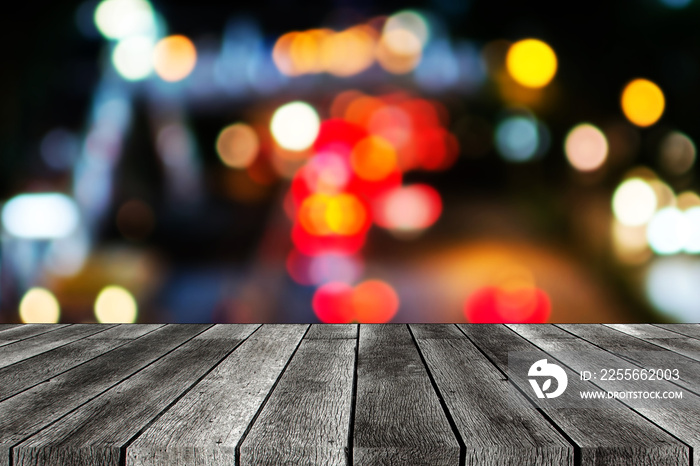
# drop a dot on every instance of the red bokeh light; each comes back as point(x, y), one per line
point(375, 302)
point(497, 305)
point(332, 303)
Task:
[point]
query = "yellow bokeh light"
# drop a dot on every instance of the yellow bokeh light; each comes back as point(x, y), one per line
point(174, 58)
point(643, 102)
point(349, 52)
point(373, 158)
point(345, 214)
point(115, 304)
point(39, 306)
point(238, 145)
point(531, 63)
point(399, 51)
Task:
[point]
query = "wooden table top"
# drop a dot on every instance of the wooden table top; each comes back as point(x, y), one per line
point(154, 394)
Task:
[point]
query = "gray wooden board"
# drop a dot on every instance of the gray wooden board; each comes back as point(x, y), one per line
point(4, 327)
point(675, 342)
point(398, 416)
point(644, 354)
point(19, 350)
point(612, 435)
point(95, 433)
point(27, 412)
point(22, 332)
point(690, 330)
point(332, 331)
point(204, 427)
point(680, 418)
point(126, 332)
point(489, 415)
point(306, 418)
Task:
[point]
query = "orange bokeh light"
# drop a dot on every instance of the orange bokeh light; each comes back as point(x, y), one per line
point(174, 58)
point(374, 301)
point(373, 158)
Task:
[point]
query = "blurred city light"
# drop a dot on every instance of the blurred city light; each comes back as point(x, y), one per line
point(677, 153)
point(667, 231)
point(39, 306)
point(238, 145)
point(643, 102)
point(118, 19)
point(174, 58)
point(517, 139)
point(408, 210)
point(531, 63)
point(692, 223)
point(133, 57)
point(40, 216)
point(374, 302)
point(332, 303)
point(672, 287)
point(295, 126)
point(115, 305)
point(634, 202)
point(586, 147)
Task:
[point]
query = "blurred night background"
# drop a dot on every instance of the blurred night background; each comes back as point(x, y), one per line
point(356, 161)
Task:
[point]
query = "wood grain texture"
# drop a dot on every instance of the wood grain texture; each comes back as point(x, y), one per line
point(680, 344)
point(4, 327)
point(125, 332)
point(332, 331)
point(19, 350)
point(13, 334)
point(204, 427)
point(644, 354)
point(398, 417)
point(27, 412)
point(307, 417)
point(95, 433)
point(612, 435)
point(493, 419)
point(690, 330)
point(679, 418)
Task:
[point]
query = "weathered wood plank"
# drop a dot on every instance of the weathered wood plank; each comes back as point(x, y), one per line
point(398, 416)
point(24, 331)
point(678, 418)
point(4, 327)
point(204, 427)
point(125, 332)
point(689, 330)
point(29, 372)
point(675, 342)
point(611, 435)
point(27, 412)
point(489, 415)
point(332, 331)
point(307, 417)
point(94, 433)
point(19, 350)
point(642, 353)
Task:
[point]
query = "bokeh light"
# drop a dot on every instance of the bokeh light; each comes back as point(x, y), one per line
point(634, 202)
point(132, 57)
point(667, 231)
point(349, 52)
point(408, 210)
point(39, 306)
point(676, 4)
point(672, 287)
point(332, 303)
point(115, 304)
point(493, 304)
point(238, 145)
point(117, 19)
point(643, 102)
point(531, 63)
point(586, 147)
point(40, 216)
point(373, 158)
point(295, 126)
point(60, 149)
point(517, 138)
point(333, 267)
point(692, 219)
point(174, 58)
point(677, 153)
point(374, 301)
